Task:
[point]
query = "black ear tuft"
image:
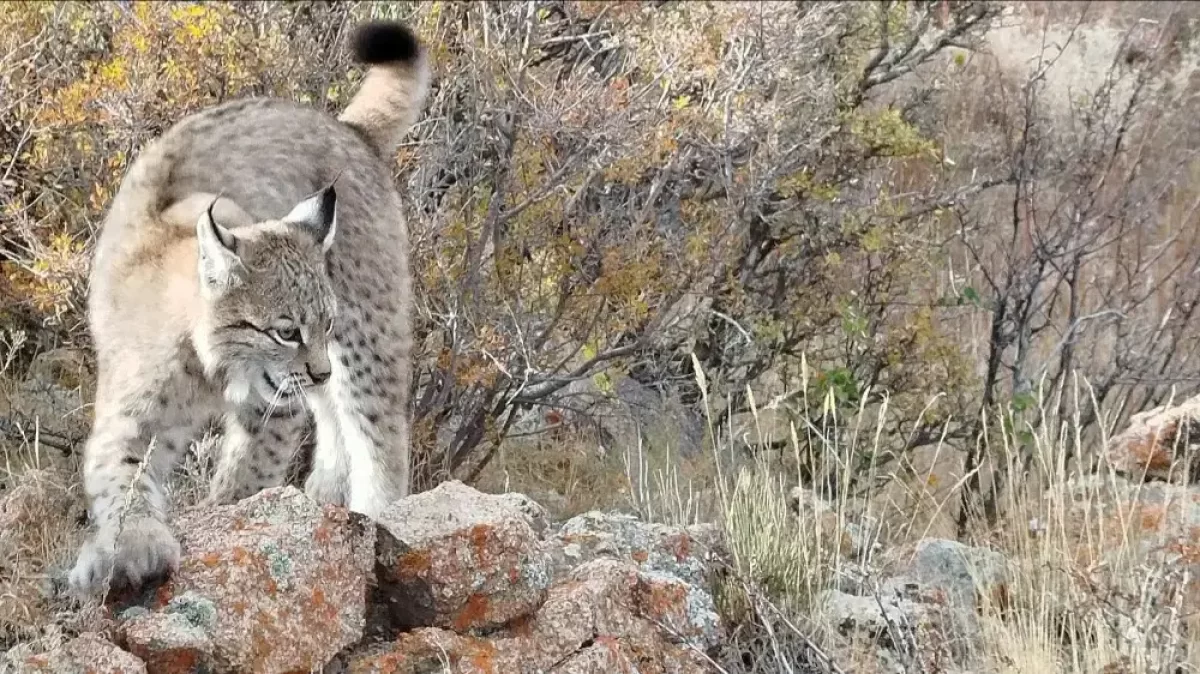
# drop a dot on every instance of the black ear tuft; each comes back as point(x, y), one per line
point(385, 42)
point(222, 235)
point(328, 204)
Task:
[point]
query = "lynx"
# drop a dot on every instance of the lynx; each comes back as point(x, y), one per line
point(253, 270)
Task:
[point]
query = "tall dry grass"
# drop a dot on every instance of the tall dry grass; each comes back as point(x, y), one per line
point(1087, 592)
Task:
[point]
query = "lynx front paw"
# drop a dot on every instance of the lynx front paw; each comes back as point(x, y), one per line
point(145, 549)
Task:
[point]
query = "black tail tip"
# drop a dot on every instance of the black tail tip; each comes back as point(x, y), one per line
point(380, 42)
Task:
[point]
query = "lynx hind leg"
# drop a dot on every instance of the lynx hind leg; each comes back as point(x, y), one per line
point(256, 451)
point(362, 451)
point(130, 542)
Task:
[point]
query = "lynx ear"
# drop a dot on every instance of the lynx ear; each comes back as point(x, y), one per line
point(318, 215)
point(218, 253)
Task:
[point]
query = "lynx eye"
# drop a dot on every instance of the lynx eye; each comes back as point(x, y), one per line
point(289, 336)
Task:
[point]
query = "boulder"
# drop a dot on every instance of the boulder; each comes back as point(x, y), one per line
point(457, 558)
point(928, 606)
point(1111, 524)
point(683, 552)
point(904, 621)
point(1158, 444)
point(275, 583)
point(86, 654)
point(604, 616)
point(969, 575)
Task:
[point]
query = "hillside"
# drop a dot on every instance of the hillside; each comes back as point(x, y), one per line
point(896, 301)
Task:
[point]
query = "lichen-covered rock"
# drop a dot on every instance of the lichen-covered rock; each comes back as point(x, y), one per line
point(685, 553)
point(535, 514)
point(655, 619)
point(605, 603)
point(1110, 521)
point(1157, 444)
point(431, 649)
point(602, 657)
point(457, 558)
point(968, 574)
point(926, 608)
point(85, 654)
point(684, 609)
point(275, 583)
point(903, 619)
point(175, 640)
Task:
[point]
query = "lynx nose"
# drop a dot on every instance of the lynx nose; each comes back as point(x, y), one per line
point(318, 377)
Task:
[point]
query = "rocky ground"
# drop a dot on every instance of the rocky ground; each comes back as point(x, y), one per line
point(450, 579)
point(456, 580)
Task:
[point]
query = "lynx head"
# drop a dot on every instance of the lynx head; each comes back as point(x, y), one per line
point(268, 303)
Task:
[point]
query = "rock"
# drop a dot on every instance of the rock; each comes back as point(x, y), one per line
point(427, 649)
point(51, 399)
point(928, 607)
point(1111, 521)
point(85, 654)
point(176, 639)
point(275, 583)
point(602, 657)
point(534, 512)
point(1156, 442)
point(684, 553)
point(967, 574)
point(457, 558)
point(903, 619)
point(604, 615)
point(686, 610)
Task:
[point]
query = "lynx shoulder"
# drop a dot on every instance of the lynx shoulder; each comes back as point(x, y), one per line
point(253, 269)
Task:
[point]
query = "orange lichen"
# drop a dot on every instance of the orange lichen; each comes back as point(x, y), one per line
point(1152, 517)
point(240, 556)
point(180, 660)
point(681, 545)
point(640, 556)
point(163, 594)
point(480, 534)
point(658, 600)
point(414, 563)
point(475, 612)
point(211, 559)
point(482, 655)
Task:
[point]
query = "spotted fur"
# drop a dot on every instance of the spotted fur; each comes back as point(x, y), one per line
point(253, 269)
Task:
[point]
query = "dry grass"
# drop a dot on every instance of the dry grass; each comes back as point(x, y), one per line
point(39, 530)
